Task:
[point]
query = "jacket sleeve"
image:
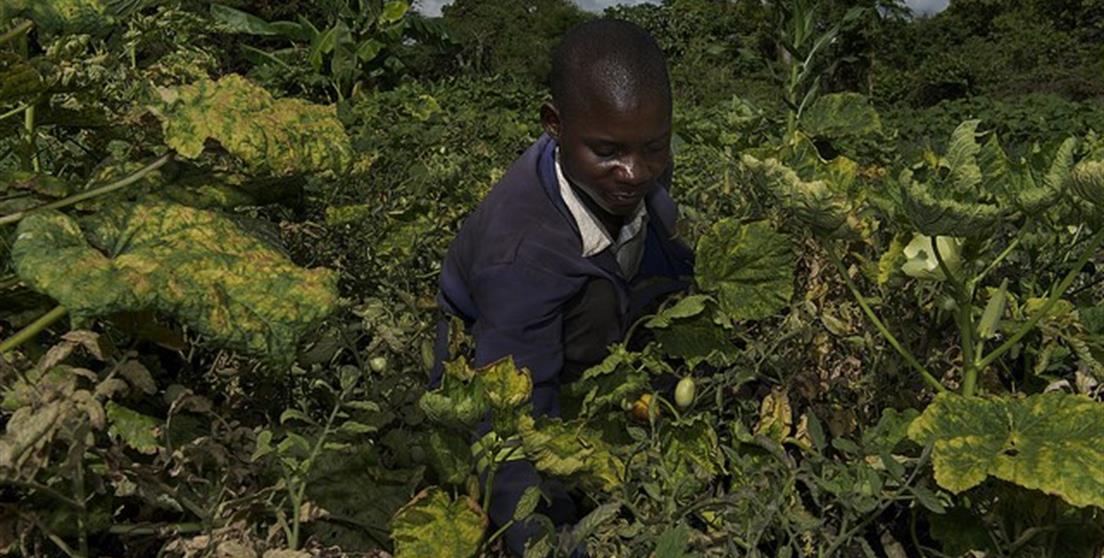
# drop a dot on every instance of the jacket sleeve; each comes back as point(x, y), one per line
point(521, 315)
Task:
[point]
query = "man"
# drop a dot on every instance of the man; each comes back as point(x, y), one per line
point(578, 237)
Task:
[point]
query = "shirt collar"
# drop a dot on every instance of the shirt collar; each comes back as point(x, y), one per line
point(593, 234)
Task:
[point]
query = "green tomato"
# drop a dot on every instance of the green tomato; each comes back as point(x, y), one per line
point(684, 392)
point(378, 364)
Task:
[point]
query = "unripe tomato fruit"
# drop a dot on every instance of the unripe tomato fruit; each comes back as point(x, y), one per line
point(378, 364)
point(642, 407)
point(684, 392)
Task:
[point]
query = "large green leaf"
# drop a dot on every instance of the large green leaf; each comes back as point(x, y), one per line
point(748, 268)
point(697, 339)
point(841, 115)
point(432, 524)
point(195, 265)
point(570, 449)
point(1052, 442)
point(277, 136)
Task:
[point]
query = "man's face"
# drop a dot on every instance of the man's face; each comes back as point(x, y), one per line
point(614, 152)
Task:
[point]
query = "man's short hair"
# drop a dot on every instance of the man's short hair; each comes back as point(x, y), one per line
point(610, 57)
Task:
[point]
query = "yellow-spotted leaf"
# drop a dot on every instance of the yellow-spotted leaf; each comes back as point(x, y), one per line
point(748, 268)
point(1053, 442)
point(433, 524)
point(275, 136)
point(195, 265)
point(570, 449)
point(505, 385)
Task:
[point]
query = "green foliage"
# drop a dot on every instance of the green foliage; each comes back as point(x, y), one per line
point(1046, 442)
point(975, 187)
point(191, 264)
point(275, 136)
point(748, 268)
point(432, 524)
point(62, 16)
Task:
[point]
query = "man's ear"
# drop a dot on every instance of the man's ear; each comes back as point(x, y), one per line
point(550, 119)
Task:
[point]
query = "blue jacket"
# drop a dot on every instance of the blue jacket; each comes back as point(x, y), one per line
point(518, 259)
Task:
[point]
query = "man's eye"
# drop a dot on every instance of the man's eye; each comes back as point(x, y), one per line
point(604, 151)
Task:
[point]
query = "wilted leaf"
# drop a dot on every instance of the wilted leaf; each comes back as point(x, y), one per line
point(822, 203)
point(136, 430)
point(433, 525)
point(693, 444)
point(570, 449)
point(748, 268)
point(506, 386)
point(450, 454)
point(1052, 442)
point(775, 416)
point(279, 136)
point(194, 265)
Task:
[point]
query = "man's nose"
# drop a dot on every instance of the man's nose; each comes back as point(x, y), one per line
point(632, 169)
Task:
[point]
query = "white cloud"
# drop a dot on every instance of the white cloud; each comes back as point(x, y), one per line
point(433, 7)
point(927, 6)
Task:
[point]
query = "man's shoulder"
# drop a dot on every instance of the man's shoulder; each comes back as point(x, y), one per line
point(517, 219)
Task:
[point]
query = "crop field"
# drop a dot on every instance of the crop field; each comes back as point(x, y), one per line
point(222, 226)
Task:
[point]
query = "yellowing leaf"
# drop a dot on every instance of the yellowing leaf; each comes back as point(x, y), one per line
point(570, 449)
point(748, 268)
point(841, 115)
point(194, 265)
point(434, 525)
point(775, 416)
point(277, 136)
point(1053, 442)
point(506, 386)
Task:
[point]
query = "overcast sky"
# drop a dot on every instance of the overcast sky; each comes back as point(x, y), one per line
point(433, 7)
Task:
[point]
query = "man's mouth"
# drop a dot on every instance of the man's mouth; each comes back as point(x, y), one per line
point(626, 198)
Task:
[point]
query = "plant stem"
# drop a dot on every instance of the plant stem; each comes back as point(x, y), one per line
point(22, 107)
point(154, 529)
point(1055, 294)
point(963, 315)
point(32, 147)
point(106, 189)
point(30, 485)
point(924, 373)
point(82, 514)
point(34, 328)
point(9, 282)
point(17, 31)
